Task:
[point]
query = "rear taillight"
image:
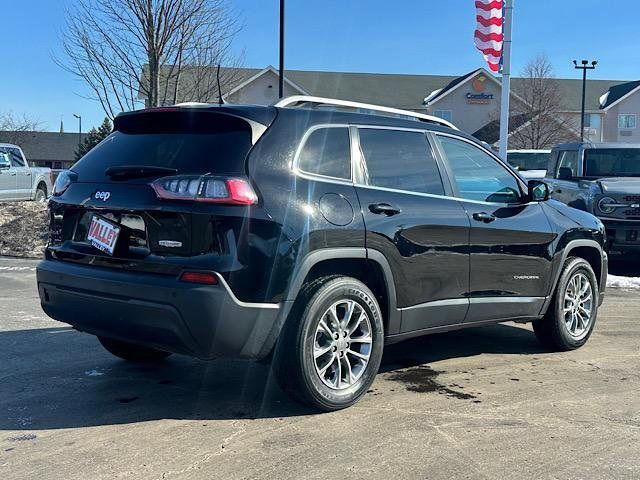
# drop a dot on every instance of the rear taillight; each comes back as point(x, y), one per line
point(65, 178)
point(207, 188)
point(205, 278)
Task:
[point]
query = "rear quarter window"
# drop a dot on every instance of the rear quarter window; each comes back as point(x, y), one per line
point(327, 152)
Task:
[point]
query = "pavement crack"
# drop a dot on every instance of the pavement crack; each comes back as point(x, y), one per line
point(239, 428)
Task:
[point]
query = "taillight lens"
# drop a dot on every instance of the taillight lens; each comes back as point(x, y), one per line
point(207, 188)
point(205, 278)
point(65, 178)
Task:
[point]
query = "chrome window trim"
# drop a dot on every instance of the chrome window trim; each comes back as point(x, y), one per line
point(356, 154)
point(421, 194)
point(316, 176)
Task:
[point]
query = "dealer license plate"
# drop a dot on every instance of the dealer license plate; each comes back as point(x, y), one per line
point(103, 234)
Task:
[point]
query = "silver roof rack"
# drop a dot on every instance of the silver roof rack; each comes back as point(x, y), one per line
point(296, 99)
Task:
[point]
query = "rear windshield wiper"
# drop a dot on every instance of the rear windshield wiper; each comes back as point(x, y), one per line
point(138, 171)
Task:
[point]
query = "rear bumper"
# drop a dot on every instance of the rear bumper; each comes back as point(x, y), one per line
point(204, 321)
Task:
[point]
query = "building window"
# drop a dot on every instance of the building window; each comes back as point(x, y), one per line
point(592, 120)
point(443, 114)
point(627, 121)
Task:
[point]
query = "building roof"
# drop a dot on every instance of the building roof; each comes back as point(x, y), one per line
point(441, 92)
point(617, 93)
point(44, 146)
point(409, 91)
point(490, 133)
point(571, 92)
point(397, 90)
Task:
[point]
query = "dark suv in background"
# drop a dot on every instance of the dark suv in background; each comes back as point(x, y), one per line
point(311, 236)
point(602, 179)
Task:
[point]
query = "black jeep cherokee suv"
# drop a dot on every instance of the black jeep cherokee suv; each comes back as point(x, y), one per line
point(310, 236)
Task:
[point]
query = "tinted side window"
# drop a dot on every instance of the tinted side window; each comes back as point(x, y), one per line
point(477, 175)
point(327, 151)
point(568, 159)
point(5, 161)
point(16, 157)
point(400, 160)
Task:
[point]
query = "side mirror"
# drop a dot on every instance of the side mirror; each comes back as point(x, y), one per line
point(565, 173)
point(538, 191)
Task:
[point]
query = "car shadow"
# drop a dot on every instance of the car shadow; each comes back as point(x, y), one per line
point(57, 378)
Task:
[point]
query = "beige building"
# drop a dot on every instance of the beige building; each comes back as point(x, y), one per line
point(470, 101)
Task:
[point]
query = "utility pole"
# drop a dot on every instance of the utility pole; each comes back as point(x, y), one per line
point(506, 78)
point(584, 66)
point(79, 117)
point(281, 70)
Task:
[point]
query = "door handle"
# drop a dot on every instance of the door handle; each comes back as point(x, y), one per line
point(383, 209)
point(13, 174)
point(483, 217)
point(558, 190)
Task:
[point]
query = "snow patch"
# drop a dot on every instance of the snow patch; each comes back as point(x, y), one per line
point(93, 373)
point(428, 98)
point(615, 281)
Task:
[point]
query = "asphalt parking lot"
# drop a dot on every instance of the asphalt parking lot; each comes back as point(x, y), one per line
point(482, 403)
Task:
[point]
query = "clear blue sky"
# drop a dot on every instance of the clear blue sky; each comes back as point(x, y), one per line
point(399, 36)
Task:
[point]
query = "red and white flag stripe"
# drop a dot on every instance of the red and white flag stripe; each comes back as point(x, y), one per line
point(488, 34)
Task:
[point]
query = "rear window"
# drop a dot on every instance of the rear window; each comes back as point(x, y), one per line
point(190, 142)
point(612, 162)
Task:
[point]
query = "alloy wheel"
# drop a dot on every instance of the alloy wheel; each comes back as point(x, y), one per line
point(342, 344)
point(578, 305)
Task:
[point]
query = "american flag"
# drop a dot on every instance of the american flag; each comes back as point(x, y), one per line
point(488, 34)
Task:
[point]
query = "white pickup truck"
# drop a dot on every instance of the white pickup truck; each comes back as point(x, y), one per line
point(19, 181)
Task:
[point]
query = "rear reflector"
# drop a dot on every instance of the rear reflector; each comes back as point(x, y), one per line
point(207, 188)
point(205, 278)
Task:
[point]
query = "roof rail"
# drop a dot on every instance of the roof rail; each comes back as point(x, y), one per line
point(295, 99)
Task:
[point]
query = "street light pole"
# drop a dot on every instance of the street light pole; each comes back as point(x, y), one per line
point(584, 66)
point(79, 117)
point(281, 70)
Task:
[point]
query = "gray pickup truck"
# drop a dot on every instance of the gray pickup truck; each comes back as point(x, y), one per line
point(18, 180)
point(602, 179)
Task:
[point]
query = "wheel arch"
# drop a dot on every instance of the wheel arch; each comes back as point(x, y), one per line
point(42, 185)
point(589, 250)
point(367, 265)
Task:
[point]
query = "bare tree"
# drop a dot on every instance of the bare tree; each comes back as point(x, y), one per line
point(159, 51)
point(12, 124)
point(10, 121)
point(542, 123)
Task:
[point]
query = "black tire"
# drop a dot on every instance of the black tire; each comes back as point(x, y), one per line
point(552, 330)
point(294, 361)
point(131, 352)
point(41, 194)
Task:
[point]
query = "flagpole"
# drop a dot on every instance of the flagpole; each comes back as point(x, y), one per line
point(506, 78)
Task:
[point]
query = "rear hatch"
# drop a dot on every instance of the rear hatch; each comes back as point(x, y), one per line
point(144, 184)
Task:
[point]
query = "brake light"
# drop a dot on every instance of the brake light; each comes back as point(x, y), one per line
point(206, 278)
point(65, 178)
point(208, 189)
